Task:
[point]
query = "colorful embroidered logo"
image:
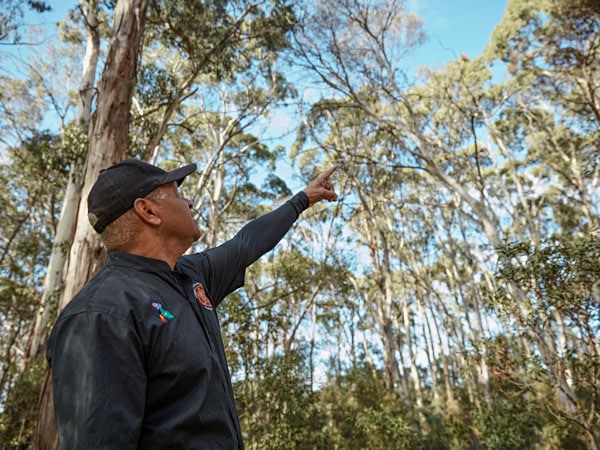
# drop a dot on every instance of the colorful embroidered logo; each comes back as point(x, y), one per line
point(162, 313)
point(201, 296)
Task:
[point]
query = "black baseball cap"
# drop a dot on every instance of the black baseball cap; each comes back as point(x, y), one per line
point(118, 186)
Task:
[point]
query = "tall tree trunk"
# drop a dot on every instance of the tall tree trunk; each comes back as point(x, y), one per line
point(429, 349)
point(484, 370)
point(412, 359)
point(451, 400)
point(382, 272)
point(108, 140)
point(66, 223)
point(109, 133)
point(215, 216)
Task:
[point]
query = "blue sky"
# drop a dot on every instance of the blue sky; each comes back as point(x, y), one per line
point(455, 27)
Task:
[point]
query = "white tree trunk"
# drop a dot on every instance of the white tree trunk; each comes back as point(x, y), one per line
point(108, 144)
point(66, 223)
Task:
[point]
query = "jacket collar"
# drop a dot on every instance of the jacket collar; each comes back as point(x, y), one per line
point(142, 263)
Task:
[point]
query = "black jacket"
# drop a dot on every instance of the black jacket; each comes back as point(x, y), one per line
point(137, 357)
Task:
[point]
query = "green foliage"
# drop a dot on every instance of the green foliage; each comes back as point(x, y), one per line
point(72, 30)
point(221, 37)
point(276, 187)
point(384, 429)
point(560, 280)
point(361, 414)
point(73, 148)
point(209, 70)
point(20, 407)
point(421, 167)
point(561, 276)
point(355, 411)
point(276, 409)
point(34, 177)
point(508, 423)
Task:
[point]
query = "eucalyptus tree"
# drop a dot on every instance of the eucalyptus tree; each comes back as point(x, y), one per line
point(347, 139)
point(192, 45)
point(553, 49)
point(224, 29)
point(108, 142)
point(559, 276)
point(275, 331)
point(28, 105)
point(74, 129)
point(379, 186)
point(458, 273)
point(355, 49)
point(208, 81)
point(33, 178)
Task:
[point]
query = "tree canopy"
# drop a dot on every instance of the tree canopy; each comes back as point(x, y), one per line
point(449, 300)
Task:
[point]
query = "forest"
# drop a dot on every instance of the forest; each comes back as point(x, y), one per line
point(450, 299)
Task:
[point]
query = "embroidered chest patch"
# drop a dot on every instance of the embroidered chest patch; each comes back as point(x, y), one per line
point(163, 314)
point(201, 296)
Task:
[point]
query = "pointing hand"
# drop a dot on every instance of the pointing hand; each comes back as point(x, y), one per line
point(321, 189)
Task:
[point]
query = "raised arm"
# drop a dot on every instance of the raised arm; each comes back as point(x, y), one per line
point(262, 234)
point(228, 262)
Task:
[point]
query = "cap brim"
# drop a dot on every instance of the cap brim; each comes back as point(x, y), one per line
point(179, 174)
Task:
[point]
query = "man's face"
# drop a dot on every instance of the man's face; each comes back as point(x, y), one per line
point(177, 220)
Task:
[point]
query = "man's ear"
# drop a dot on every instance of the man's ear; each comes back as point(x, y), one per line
point(147, 211)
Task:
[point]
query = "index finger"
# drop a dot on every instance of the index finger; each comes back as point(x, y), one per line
point(327, 174)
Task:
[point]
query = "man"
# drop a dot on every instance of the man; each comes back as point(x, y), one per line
point(137, 356)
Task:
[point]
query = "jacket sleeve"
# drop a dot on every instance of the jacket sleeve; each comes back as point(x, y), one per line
point(225, 266)
point(99, 383)
point(261, 235)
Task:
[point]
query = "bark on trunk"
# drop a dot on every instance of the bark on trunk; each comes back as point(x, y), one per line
point(66, 223)
point(108, 144)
